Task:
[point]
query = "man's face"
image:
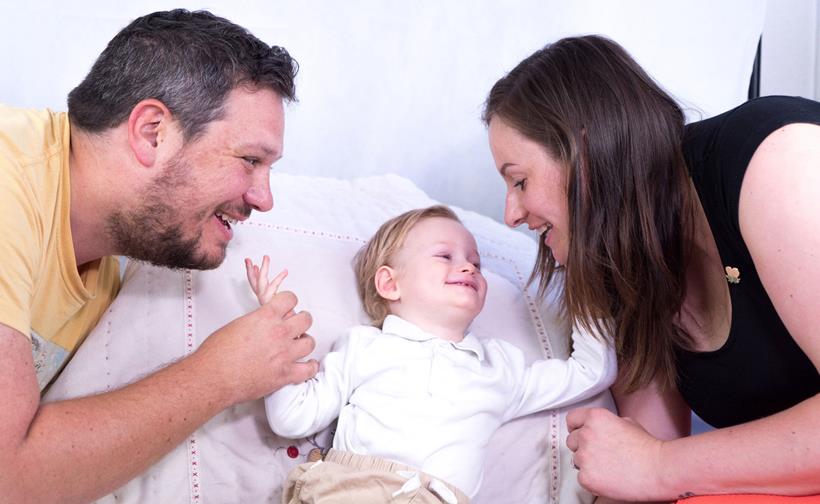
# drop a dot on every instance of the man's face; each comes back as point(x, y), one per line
point(221, 176)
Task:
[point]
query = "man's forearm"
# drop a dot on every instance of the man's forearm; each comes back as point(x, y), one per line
point(81, 449)
point(77, 450)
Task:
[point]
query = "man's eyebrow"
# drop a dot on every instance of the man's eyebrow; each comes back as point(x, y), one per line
point(256, 145)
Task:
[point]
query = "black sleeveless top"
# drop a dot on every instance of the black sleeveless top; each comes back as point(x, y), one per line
point(760, 370)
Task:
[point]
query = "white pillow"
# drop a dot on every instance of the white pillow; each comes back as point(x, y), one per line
point(315, 228)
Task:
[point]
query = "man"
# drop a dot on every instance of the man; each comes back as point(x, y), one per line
point(167, 141)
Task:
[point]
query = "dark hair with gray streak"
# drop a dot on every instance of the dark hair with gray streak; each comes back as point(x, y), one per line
point(187, 60)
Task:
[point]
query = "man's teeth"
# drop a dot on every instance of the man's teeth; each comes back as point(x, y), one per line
point(225, 218)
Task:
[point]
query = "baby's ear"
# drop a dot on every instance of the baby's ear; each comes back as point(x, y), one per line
point(386, 284)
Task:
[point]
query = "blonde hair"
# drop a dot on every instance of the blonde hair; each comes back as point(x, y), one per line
point(380, 251)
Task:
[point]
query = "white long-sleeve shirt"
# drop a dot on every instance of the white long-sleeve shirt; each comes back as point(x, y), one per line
point(408, 396)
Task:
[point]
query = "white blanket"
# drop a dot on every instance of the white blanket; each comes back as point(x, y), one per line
point(314, 230)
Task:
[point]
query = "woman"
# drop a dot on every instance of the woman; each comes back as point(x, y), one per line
point(698, 247)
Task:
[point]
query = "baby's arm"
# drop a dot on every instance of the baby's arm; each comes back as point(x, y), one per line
point(296, 411)
point(300, 410)
point(554, 383)
point(258, 278)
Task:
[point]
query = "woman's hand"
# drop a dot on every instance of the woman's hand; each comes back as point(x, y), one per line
point(615, 456)
point(258, 278)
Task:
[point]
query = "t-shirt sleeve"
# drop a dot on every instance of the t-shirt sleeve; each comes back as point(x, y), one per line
point(555, 383)
point(20, 250)
point(302, 409)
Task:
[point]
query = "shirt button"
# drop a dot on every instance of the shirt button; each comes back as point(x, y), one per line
point(315, 455)
point(293, 452)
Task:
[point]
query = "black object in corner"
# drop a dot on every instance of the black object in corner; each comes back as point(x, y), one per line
point(754, 82)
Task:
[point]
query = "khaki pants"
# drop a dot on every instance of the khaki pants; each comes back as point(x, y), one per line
point(344, 477)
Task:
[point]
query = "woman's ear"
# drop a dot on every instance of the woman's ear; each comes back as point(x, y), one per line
point(148, 127)
point(386, 283)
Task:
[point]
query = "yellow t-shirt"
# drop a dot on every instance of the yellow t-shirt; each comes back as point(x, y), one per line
point(42, 293)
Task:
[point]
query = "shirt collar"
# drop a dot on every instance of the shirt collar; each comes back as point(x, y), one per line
point(397, 326)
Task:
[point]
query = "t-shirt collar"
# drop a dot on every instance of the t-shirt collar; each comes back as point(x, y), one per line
point(397, 326)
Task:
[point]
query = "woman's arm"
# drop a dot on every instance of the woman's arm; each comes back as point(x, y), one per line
point(779, 214)
point(620, 459)
point(662, 412)
point(608, 448)
point(779, 218)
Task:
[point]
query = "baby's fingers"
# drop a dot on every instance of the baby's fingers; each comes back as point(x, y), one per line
point(277, 280)
point(263, 271)
point(253, 273)
point(273, 287)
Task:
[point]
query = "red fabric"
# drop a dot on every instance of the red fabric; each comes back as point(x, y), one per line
point(750, 499)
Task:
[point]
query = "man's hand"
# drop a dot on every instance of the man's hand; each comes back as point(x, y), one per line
point(615, 456)
point(259, 353)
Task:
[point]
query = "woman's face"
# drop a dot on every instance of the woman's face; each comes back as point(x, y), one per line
point(536, 186)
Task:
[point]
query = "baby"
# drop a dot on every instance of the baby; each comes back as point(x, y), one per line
point(417, 396)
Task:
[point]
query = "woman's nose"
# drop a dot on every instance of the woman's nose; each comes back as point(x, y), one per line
point(514, 213)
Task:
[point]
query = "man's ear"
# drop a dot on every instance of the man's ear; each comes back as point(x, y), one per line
point(148, 127)
point(386, 283)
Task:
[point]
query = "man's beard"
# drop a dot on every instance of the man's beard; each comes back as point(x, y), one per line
point(154, 233)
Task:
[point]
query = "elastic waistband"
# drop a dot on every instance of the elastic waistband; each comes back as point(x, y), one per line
point(358, 461)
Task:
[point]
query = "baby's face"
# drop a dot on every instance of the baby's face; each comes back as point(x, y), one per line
point(439, 271)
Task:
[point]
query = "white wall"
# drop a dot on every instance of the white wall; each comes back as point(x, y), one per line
point(399, 86)
point(790, 59)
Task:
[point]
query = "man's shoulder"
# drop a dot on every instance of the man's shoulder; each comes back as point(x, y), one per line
point(34, 155)
point(31, 135)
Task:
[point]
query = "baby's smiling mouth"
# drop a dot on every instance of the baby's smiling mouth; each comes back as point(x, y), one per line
point(471, 285)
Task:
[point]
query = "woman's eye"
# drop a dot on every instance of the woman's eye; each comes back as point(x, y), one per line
point(521, 184)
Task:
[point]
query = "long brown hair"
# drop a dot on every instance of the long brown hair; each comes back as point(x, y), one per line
point(630, 208)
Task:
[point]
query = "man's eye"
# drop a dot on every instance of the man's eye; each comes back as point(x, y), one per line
point(521, 184)
point(251, 160)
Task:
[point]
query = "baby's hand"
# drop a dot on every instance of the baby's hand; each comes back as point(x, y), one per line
point(258, 278)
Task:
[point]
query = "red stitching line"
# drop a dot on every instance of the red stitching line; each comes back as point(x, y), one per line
point(546, 346)
point(190, 341)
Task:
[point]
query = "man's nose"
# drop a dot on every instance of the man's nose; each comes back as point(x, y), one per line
point(258, 194)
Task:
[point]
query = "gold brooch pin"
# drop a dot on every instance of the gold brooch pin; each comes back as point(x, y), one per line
point(732, 275)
